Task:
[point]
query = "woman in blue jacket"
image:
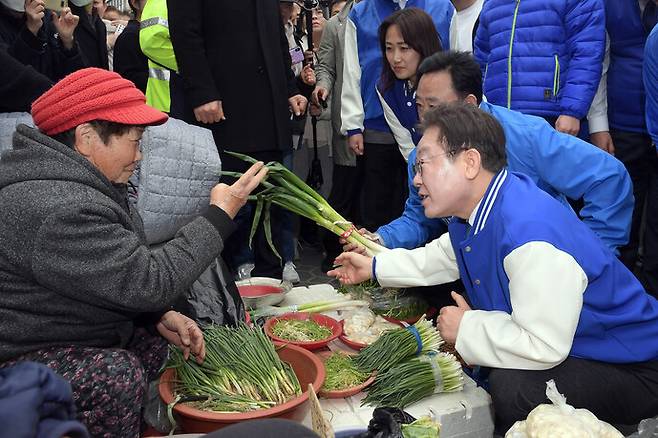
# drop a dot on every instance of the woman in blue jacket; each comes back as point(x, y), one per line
point(406, 38)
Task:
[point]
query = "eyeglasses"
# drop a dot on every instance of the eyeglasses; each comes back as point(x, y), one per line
point(418, 165)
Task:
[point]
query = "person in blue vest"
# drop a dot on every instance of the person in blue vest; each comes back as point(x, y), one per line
point(554, 161)
point(548, 300)
point(628, 23)
point(542, 57)
point(362, 119)
point(406, 38)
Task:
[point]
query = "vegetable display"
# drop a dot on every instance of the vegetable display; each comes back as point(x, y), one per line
point(396, 346)
point(287, 190)
point(342, 373)
point(300, 330)
point(241, 372)
point(414, 380)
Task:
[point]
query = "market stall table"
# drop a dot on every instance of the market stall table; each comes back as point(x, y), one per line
point(463, 414)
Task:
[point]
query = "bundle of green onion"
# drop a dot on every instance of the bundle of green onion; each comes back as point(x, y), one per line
point(414, 380)
point(396, 346)
point(300, 330)
point(287, 190)
point(342, 373)
point(241, 372)
point(312, 307)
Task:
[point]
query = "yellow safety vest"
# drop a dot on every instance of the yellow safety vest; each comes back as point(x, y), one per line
point(155, 43)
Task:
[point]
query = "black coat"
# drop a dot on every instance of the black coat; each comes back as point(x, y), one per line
point(91, 36)
point(129, 61)
point(20, 85)
point(236, 51)
point(43, 52)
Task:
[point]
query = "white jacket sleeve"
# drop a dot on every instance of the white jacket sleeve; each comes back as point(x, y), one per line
point(402, 135)
point(597, 117)
point(546, 288)
point(351, 113)
point(435, 263)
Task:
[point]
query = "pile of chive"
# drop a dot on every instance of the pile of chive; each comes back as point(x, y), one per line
point(241, 372)
point(300, 330)
point(342, 373)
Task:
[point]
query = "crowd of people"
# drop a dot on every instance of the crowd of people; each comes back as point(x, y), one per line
point(502, 150)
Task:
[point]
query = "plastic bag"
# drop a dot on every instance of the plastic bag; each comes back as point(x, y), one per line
point(647, 429)
point(155, 411)
point(214, 297)
point(385, 423)
point(561, 419)
point(398, 304)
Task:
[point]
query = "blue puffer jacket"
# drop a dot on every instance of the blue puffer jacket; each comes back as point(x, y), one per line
point(554, 161)
point(554, 49)
point(625, 90)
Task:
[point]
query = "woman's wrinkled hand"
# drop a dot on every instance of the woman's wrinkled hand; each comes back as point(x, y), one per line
point(184, 333)
point(232, 198)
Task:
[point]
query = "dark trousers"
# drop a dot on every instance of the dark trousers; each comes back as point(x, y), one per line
point(615, 393)
point(344, 199)
point(639, 157)
point(384, 189)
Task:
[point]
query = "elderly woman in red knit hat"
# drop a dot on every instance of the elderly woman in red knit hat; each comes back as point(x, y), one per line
point(79, 286)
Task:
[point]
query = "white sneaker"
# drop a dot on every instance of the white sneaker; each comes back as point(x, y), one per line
point(244, 271)
point(290, 273)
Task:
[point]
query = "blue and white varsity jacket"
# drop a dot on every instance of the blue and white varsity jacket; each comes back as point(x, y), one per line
point(542, 285)
point(561, 165)
point(363, 59)
point(399, 105)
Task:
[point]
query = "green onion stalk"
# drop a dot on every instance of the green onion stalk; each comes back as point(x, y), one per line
point(312, 307)
point(285, 189)
point(241, 372)
point(397, 345)
point(415, 379)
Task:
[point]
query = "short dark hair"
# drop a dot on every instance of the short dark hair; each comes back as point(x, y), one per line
point(103, 128)
point(465, 126)
point(418, 31)
point(464, 71)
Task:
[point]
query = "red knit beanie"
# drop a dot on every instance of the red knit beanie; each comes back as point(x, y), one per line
point(92, 94)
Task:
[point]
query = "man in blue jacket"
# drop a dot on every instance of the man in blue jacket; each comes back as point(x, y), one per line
point(542, 57)
point(628, 23)
point(362, 117)
point(547, 299)
point(562, 165)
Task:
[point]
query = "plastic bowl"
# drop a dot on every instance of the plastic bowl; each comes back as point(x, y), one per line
point(347, 392)
point(307, 367)
point(335, 327)
point(262, 291)
point(359, 345)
